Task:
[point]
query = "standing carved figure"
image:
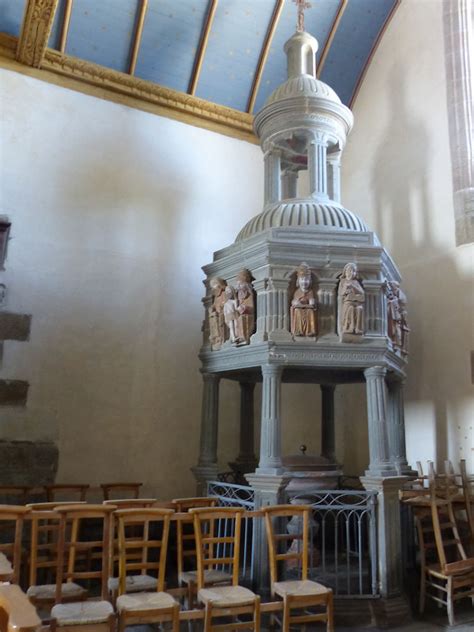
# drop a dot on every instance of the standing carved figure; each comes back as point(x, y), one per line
point(246, 307)
point(402, 301)
point(303, 305)
point(394, 317)
point(231, 312)
point(216, 313)
point(351, 300)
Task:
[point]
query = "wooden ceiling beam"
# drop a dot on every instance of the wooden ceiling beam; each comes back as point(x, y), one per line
point(35, 30)
point(65, 26)
point(137, 38)
point(264, 54)
point(332, 33)
point(373, 50)
point(211, 12)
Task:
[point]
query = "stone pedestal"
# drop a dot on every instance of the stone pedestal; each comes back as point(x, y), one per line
point(269, 490)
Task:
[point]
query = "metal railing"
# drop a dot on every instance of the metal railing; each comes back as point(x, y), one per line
point(343, 540)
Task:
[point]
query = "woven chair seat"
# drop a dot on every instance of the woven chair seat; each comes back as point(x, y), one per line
point(133, 583)
point(144, 601)
point(227, 596)
point(6, 569)
point(82, 612)
point(47, 592)
point(211, 576)
point(300, 588)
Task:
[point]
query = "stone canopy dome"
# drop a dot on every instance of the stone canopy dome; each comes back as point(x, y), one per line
point(303, 86)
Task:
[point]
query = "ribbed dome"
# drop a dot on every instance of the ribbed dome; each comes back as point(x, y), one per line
point(303, 86)
point(299, 213)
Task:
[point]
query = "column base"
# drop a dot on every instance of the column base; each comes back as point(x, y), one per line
point(383, 471)
point(203, 475)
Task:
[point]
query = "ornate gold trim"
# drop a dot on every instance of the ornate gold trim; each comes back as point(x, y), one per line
point(89, 78)
point(35, 30)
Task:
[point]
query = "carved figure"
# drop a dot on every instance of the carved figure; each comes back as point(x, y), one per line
point(402, 300)
point(216, 313)
point(351, 299)
point(303, 305)
point(246, 307)
point(231, 312)
point(394, 318)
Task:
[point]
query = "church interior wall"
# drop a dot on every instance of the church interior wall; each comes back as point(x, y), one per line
point(397, 176)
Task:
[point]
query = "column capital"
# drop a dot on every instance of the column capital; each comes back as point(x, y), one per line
point(273, 369)
point(327, 387)
point(375, 371)
point(210, 377)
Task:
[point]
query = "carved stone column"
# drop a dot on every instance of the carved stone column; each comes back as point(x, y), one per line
point(246, 461)
point(327, 306)
point(334, 176)
point(380, 464)
point(396, 427)
point(270, 437)
point(272, 176)
point(317, 166)
point(289, 181)
point(375, 312)
point(272, 310)
point(328, 437)
point(206, 469)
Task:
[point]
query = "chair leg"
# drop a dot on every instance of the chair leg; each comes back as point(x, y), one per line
point(176, 618)
point(422, 592)
point(330, 612)
point(208, 617)
point(256, 615)
point(449, 600)
point(286, 615)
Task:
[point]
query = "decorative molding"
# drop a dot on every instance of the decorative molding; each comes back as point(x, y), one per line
point(377, 41)
point(95, 80)
point(35, 30)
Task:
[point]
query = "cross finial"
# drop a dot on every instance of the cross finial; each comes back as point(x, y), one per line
point(301, 5)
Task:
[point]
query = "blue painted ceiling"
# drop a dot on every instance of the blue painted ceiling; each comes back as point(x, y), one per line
point(102, 31)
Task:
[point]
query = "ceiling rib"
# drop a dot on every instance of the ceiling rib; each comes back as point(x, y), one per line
point(373, 50)
point(332, 33)
point(137, 38)
point(211, 11)
point(65, 26)
point(264, 54)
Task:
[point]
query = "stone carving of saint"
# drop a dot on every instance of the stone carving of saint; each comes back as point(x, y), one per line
point(351, 300)
point(246, 307)
point(303, 305)
point(216, 313)
point(402, 301)
point(394, 317)
point(231, 312)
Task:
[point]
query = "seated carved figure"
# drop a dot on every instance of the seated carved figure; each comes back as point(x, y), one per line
point(303, 305)
point(246, 307)
point(216, 313)
point(351, 300)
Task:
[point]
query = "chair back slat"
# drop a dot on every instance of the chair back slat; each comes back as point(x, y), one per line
point(185, 538)
point(66, 493)
point(11, 521)
point(110, 489)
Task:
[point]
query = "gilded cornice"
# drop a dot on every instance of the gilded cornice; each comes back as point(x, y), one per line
point(35, 30)
point(105, 83)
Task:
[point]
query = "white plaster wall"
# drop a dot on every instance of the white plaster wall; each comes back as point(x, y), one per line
point(114, 211)
point(397, 176)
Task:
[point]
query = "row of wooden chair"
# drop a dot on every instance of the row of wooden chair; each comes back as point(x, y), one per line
point(138, 550)
point(23, 494)
point(441, 503)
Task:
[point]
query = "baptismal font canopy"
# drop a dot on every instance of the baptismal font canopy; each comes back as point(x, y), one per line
point(306, 294)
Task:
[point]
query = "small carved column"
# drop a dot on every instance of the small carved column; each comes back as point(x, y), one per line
point(396, 426)
point(334, 176)
point(327, 306)
point(272, 160)
point(246, 461)
point(206, 469)
point(317, 165)
point(272, 310)
point(289, 181)
point(380, 464)
point(328, 440)
point(270, 439)
point(375, 311)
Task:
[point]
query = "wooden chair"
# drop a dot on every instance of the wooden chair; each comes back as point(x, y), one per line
point(17, 614)
point(11, 521)
point(110, 489)
point(468, 493)
point(297, 594)
point(216, 549)
point(96, 615)
point(144, 607)
point(186, 550)
point(67, 493)
point(19, 494)
point(131, 503)
point(447, 574)
point(45, 523)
